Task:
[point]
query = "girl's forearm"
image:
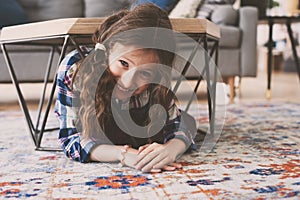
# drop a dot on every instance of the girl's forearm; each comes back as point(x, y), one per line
point(107, 153)
point(114, 153)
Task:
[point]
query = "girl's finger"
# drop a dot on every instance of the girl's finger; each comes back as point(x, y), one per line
point(177, 165)
point(150, 148)
point(162, 163)
point(169, 168)
point(155, 170)
point(141, 156)
point(147, 163)
point(142, 148)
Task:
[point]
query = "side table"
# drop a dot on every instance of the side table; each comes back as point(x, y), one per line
point(62, 33)
point(287, 20)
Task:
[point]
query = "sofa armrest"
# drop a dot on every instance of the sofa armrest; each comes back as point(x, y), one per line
point(248, 17)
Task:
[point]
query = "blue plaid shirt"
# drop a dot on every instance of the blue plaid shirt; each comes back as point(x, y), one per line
point(72, 143)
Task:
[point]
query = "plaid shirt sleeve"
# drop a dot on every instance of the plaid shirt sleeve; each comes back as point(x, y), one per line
point(181, 126)
point(66, 111)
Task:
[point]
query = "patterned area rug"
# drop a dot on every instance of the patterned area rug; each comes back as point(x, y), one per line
point(256, 157)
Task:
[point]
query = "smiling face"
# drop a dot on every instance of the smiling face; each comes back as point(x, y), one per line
point(133, 70)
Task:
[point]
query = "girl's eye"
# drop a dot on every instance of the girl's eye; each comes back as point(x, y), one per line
point(124, 63)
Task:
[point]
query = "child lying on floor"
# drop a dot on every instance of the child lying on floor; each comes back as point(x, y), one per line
point(126, 77)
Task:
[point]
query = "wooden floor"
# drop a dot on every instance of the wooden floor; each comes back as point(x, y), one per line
point(285, 87)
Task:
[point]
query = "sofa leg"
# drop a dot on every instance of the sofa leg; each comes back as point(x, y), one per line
point(232, 88)
point(239, 87)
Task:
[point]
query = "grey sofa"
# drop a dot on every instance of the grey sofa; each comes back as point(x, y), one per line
point(237, 48)
point(237, 52)
point(30, 62)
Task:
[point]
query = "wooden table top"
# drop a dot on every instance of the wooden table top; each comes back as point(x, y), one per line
point(86, 26)
point(279, 19)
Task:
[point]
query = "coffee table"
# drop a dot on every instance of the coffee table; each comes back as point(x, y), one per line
point(62, 33)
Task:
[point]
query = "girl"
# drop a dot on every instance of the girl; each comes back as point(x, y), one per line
point(131, 63)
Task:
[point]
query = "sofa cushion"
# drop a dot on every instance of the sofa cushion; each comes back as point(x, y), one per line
point(40, 10)
point(185, 9)
point(166, 5)
point(11, 13)
point(230, 36)
point(103, 8)
point(226, 15)
point(209, 6)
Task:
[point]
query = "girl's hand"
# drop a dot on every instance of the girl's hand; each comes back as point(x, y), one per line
point(156, 157)
point(171, 167)
point(130, 157)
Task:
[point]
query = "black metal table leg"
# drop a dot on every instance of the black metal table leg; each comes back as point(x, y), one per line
point(46, 78)
point(21, 99)
point(209, 86)
point(212, 51)
point(214, 85)
point(187, 65)
point(35, 131)
point(270, 46)
point(288, 25)
point(41, 133)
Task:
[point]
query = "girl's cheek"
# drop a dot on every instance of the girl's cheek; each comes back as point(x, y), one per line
point(115, 71)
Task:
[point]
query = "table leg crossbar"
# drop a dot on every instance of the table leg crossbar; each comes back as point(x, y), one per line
point(36, 131)
point(211, 86)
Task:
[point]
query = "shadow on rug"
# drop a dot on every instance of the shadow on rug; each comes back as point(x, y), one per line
point(256, 157)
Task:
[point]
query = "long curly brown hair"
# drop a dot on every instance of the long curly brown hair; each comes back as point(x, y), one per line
point(110, 33)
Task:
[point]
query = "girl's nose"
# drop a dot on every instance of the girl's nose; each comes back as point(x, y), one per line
point(127, 78)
